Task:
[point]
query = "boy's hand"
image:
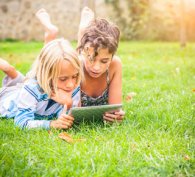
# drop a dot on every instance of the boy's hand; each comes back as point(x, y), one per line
point(63, 122)
point(114, 116)
point(62, 97)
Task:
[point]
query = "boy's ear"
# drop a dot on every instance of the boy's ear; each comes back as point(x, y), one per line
point(51, 85)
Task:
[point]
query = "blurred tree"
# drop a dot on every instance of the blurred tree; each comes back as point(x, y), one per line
point(119, 19)
point(182, 24)
point(131, 24)
point(155, 19)
point(163, 20)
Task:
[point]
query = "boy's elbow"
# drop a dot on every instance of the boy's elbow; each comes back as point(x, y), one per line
point(19, 123)
point(22, 117)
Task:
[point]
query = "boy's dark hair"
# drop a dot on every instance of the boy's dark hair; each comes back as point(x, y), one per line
point(100, 34)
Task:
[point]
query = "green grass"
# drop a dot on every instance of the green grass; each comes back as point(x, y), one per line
point(157, 137)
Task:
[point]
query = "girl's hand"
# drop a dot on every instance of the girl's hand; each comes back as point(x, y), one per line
point(114, 116)
point(62, 97)
point(63, 122)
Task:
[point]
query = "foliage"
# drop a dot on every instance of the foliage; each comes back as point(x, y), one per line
point(135, 18)
point(153, 20)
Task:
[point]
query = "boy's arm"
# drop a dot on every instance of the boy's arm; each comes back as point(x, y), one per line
point(25, 119)
point(27, 106)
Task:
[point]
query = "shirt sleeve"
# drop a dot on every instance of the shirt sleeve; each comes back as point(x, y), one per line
point(27, 105)
point(76, 97)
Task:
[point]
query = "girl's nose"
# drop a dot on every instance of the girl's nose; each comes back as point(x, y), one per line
point(96, 66)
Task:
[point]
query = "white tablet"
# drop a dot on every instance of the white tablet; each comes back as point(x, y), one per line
point(92, 113)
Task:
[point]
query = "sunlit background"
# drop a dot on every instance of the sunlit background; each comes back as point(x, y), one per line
point(167, 20)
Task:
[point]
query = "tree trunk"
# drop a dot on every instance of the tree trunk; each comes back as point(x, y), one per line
point(182, 24)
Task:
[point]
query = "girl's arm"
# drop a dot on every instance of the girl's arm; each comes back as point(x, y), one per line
point(115, 90)
point(115, 86)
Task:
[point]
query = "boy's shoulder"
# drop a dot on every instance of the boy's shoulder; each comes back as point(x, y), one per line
point(32, 84)
point(32, 87)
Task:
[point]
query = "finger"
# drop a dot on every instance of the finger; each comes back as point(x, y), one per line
point(120, 117)
point(65, 109)
point(66, 122)
point(70, 122)
point(108, 119)
point(110, 112)
point(65, 125)
point(113, 116)
point(121, 113)
point(68, 117)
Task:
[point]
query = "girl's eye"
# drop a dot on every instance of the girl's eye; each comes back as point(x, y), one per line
point(104, 61)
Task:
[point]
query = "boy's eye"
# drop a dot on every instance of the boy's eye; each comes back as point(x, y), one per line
point(75, 76)
point(63, 79)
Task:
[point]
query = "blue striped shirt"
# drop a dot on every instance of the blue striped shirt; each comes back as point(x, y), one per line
point(30, 106)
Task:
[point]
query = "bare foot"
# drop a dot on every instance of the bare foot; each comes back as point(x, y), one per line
point(4, 65)
point(87, 15)
point(50, 30)
point(8, 69)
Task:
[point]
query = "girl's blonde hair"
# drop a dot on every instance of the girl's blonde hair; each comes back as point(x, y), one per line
point(46, 68)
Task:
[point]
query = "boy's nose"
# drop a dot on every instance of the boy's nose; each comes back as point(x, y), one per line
point(70, 84)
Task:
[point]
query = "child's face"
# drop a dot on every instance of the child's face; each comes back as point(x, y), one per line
point(98, 65)
point(67, 79)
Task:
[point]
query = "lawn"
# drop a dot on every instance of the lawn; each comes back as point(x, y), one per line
point(156, 138)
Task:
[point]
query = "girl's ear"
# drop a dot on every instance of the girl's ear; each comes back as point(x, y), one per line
point(86, 49)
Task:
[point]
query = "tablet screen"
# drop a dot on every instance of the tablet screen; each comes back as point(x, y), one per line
point(92, 113)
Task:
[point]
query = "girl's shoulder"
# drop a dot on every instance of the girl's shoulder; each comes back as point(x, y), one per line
point(116, 59)
point(115, 65)
point(116, 62)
